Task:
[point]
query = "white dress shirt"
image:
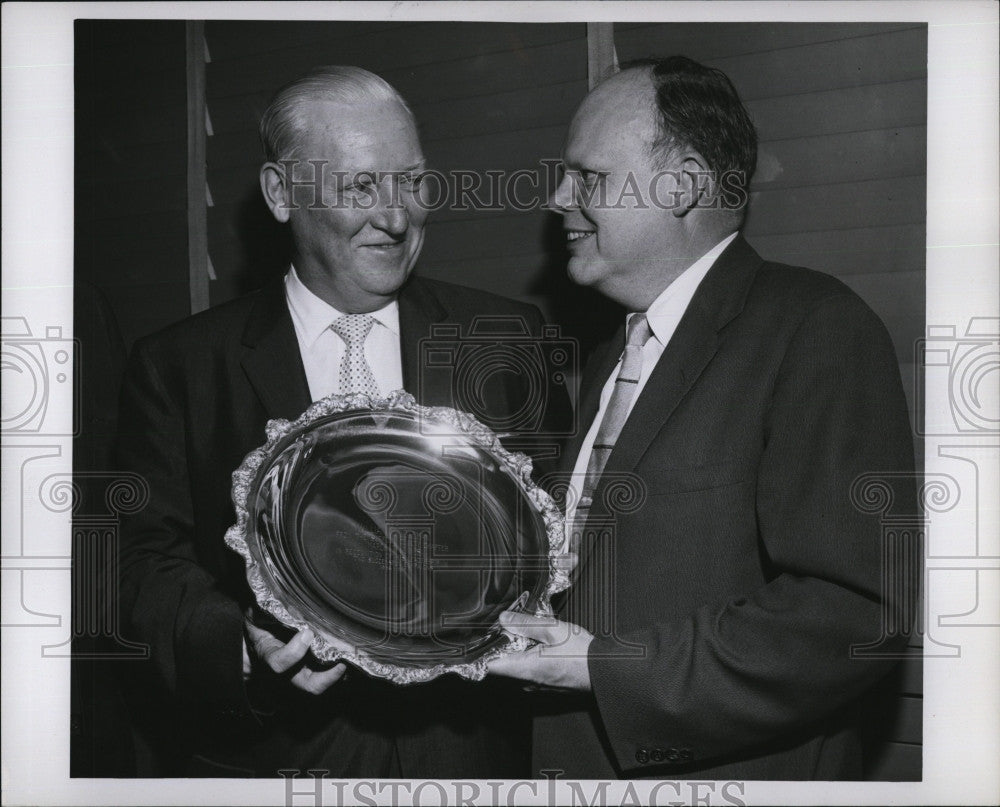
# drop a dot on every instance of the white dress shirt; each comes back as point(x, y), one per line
point(322, 350)
point(663, 317)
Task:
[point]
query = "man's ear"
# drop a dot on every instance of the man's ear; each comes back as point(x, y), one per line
point(697, 186)
point(275, 190)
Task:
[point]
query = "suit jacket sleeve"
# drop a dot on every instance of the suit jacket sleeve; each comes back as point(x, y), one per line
point(733, 676)
point(168, 598)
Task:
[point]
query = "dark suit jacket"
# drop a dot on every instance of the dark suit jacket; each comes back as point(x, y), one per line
point(738, 572)
point(195, 401)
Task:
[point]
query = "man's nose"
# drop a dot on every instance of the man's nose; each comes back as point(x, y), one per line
point(564, 196)
point(389, 214)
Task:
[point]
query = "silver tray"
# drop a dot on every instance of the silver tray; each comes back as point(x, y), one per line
point(398, 533)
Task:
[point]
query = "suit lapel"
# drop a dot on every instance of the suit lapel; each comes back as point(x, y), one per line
point(419, 309)
point(718, 299)
point(271, 358)
point(691, 348)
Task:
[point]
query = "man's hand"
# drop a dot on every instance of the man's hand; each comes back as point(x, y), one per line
point(291, 659)
point(560, 658)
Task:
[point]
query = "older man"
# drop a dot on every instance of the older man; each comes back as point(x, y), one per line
point(343, 171)
point(724, 574)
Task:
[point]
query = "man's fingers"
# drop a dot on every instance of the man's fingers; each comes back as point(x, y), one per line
point(255, 633)
point(318, 681)
point(513, 665)
point(537, 628)
point(264, 643)
point(282, 657)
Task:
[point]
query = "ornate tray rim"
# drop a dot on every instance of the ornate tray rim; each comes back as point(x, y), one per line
point(329, 648)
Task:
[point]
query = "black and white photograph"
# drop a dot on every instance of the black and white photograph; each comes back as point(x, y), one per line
point(450, 403)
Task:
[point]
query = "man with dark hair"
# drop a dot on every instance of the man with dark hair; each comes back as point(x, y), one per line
point(724, 573)
point(247, 697)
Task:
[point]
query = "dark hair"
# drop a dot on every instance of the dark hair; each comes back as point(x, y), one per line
point(699, 107)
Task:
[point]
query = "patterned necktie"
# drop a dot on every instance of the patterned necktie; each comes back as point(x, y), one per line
point(355, 373)
point(614, 416)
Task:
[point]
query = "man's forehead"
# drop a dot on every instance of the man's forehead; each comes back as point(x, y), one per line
point(615, 119)
point(363, 130)
point(323, 114)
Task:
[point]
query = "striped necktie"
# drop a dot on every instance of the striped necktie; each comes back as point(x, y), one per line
point(355, 373)
point(615, 415)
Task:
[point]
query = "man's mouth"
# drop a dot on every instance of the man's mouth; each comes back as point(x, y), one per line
point(387, 246)
point(577, 235)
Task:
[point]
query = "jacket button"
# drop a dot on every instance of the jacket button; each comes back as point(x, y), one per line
point(656, 755)
point(642, 756)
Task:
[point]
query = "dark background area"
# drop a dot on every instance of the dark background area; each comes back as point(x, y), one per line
point(840, 187)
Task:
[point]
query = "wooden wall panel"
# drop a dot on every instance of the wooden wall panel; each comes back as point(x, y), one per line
point(884, 105)
point(392, 47)
point(149, 161)
point(798, 58)
point(842, 206)
point(847, 157)
point(130, 152)
point(725, 39)
point(889, 248)
point(124, 260)
point(124, 197)
point(499, 150)
point(516, 110)
point(235, 38)
point(899, 299)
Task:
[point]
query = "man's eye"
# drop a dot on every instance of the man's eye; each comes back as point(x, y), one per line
point(360, 183)
point(585, 179)
point(412, 179)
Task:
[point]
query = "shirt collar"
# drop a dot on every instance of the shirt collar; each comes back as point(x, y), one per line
point(312, 315)
point(666, 310)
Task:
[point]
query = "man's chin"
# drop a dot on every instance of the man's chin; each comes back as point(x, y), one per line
point(583, 272)
point(386, 282)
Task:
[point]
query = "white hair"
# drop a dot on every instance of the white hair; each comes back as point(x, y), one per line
point(282, 127)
